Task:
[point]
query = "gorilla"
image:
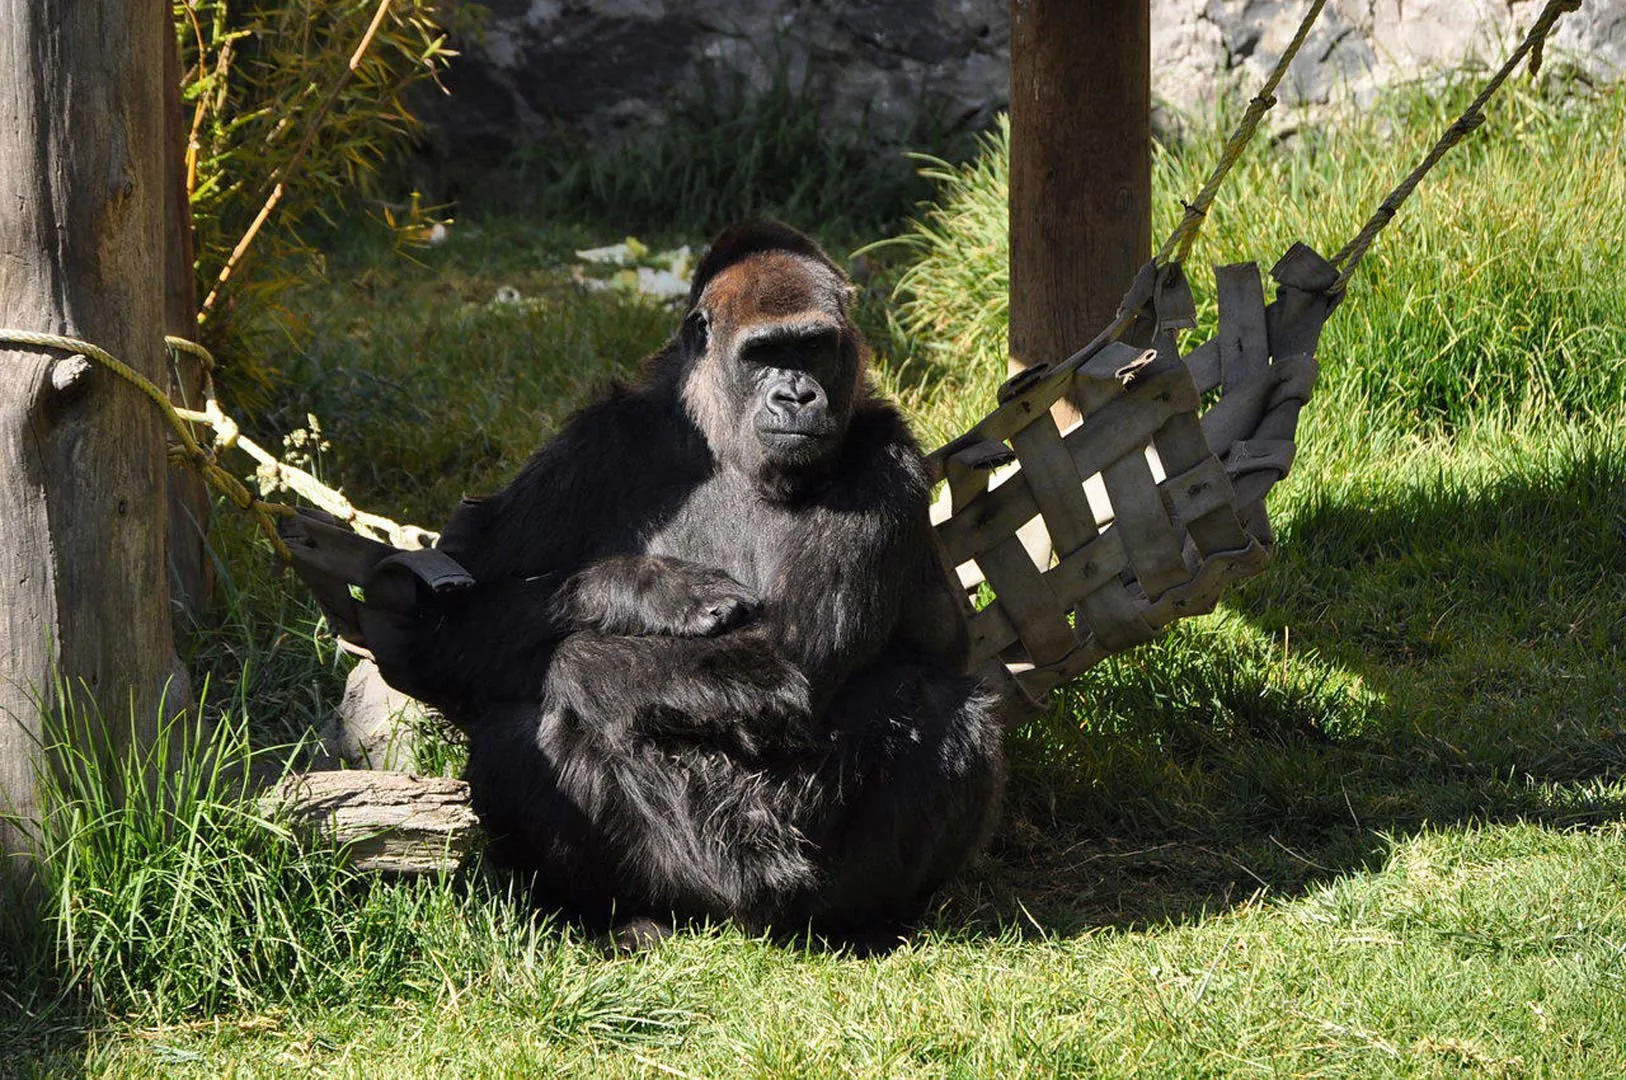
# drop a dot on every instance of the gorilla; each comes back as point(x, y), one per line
point(708, 666)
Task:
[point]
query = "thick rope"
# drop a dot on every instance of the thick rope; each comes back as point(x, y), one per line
point(1178, 246)
point(1351, 254)
point(190, 452)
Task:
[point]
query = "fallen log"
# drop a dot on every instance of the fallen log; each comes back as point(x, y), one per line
point(387, 822)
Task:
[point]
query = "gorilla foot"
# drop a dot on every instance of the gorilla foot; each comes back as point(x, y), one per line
point(638, 935)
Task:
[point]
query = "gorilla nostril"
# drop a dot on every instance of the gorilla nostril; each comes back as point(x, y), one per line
point(792, 397)
point(798, 395)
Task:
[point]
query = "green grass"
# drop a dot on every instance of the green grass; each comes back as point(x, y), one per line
point(1364, 821)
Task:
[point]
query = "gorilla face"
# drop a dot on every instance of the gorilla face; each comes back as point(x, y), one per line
point(789, 366)
point(773, 365)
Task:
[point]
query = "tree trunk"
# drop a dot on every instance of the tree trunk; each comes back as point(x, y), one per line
point(83, 494)
point(191, 572)
point(1081, 169)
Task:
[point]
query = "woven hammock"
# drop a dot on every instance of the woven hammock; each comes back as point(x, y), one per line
point(1090, 540)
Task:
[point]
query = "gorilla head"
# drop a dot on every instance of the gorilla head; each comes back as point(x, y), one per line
point(771, 361)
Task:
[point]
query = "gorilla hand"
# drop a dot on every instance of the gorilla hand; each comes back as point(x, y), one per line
point(656, 594)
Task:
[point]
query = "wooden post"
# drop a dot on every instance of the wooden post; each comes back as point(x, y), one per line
point(1081, 169)
point(83, 503)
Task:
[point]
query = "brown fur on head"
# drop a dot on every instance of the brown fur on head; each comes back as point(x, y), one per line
point(774, 364)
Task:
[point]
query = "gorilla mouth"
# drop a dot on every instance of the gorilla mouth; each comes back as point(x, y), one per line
point(794, 447)
point(794, 430)
point(792, 440)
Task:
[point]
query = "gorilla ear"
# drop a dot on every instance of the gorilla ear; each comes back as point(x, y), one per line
point(696, 332)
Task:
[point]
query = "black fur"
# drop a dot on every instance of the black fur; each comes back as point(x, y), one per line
point(709, 668)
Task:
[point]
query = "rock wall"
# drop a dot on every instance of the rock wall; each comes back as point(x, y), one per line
point(607, 64)
point(899, 67)
point(1205, 47)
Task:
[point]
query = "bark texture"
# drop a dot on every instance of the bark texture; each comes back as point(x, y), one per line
point(392, 823)
point(1081, 169)
point(83, 584)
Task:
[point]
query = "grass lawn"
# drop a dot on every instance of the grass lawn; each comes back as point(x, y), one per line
point(1366, 820)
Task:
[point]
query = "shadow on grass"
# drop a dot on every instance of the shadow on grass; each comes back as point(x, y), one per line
point(43, 1030)
point(1427, 651)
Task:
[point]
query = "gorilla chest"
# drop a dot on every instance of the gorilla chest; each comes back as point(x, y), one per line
point(724, 524)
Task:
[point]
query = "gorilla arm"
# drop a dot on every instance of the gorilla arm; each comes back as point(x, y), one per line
point(584, 494)
point(640, 595)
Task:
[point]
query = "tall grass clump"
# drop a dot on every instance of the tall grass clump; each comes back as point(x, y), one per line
point(955, 309)
point(1492, 295)
point(171, 893)
point(168, 892)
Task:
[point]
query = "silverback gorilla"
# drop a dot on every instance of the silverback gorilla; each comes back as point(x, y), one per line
point(708, 667)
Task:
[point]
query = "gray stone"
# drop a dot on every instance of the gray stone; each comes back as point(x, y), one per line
point(1203, 49)
point(376, 726)
point(894, 68)
point(600, 65)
